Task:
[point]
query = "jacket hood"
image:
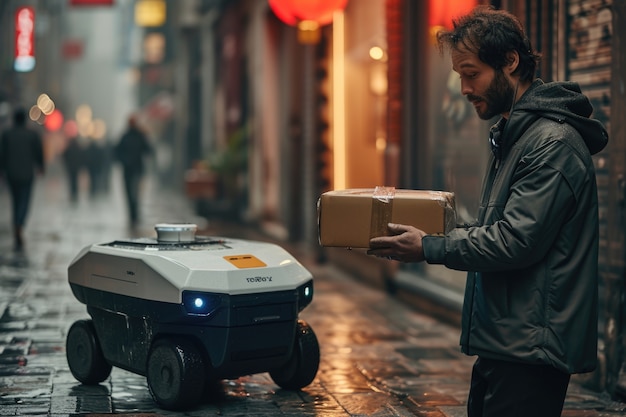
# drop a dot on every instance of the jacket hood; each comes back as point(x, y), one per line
point(565, 103)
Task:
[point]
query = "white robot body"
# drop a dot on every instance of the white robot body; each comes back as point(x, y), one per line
point(230, 304)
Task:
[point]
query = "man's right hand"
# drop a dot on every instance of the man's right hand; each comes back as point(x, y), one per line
point(404, 244)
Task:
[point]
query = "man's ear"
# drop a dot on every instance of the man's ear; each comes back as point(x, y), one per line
point(512, 62)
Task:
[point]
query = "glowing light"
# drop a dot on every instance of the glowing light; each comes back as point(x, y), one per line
point(70, 128)
point(441, 13)
point(381, 143)
point(307, 15)
point(84, 120)
point(54, 121)
point(85, 129)
point(99, 129)
point(378, 80)
point(150, 13)
point(376, 53)
point(24, 39)
point(34, 113)
point(308, 32)
point(294, 11)
point(200, 303)
point(339, 110)
point(154, 48)
point(45, 103)
point(83, 113)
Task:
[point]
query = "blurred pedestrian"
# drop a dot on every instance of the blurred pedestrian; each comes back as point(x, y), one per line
point(130, 151)
point(96, 159)
point(107, 151)
point(530, 313)
point(73, 160)
point(21, 157)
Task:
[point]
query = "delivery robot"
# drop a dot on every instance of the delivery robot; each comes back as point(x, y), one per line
point(186, 311)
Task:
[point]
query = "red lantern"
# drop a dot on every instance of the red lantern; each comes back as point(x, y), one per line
point(441, 13)
point(293, 12)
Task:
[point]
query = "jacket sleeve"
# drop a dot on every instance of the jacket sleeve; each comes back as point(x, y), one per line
point(523, 229)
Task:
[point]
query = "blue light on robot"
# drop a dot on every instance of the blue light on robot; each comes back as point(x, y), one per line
point(305, 295)
point(200, 303)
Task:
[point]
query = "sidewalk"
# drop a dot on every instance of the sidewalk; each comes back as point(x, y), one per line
point(379, 357)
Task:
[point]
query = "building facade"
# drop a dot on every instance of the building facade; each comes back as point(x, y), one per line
point(376, 104)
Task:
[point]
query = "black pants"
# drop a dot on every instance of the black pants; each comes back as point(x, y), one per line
point(508, 389)
point(20, 198)
point(132, 180)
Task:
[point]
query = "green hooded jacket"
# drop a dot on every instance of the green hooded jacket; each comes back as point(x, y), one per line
point(532, 291)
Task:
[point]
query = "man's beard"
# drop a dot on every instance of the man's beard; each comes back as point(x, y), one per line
point(498, 97)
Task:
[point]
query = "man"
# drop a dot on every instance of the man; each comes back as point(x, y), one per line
point(21, 155)
point(531, 298)
point(130, 151)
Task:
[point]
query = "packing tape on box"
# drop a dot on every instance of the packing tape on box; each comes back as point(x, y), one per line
point(447, 202)
point(382, 208)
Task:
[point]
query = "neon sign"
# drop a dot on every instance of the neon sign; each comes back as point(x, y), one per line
point(24, 39)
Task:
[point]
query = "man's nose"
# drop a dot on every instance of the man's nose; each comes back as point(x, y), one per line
point(466, 88)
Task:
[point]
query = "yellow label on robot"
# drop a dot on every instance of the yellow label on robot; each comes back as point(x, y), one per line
point(245, 261)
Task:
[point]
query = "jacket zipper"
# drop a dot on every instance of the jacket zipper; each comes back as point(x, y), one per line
point(484, 202)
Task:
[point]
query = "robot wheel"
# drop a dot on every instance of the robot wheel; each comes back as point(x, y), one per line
point(84, 355)
point(301, 368)
point(175, 373)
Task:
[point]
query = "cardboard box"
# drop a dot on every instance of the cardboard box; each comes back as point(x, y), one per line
point(350, 218)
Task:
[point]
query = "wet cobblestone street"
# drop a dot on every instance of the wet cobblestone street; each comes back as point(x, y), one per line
point(379, 357)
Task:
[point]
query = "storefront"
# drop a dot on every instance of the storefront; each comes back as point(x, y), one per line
point(377, 104)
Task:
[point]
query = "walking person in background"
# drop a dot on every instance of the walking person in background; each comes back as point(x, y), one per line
point(21, 157)
point(95, 154)
point(73, 160)
point(131, 150)
point(530, 312)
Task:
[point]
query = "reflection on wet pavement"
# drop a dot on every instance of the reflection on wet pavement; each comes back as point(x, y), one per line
point(378, 356)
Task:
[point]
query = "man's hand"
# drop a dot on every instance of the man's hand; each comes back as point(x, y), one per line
point(404, 244)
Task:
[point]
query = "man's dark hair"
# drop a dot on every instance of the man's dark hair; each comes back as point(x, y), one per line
point(491, 34)
point(19, 116)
